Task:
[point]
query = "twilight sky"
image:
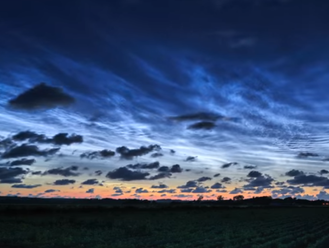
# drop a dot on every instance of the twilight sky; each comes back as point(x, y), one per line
point(159, 99)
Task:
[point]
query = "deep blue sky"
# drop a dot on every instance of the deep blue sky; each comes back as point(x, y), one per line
point(257, 70)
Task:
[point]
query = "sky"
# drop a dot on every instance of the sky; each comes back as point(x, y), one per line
point(159, 99)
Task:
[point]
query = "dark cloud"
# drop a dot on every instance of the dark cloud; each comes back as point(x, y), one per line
point(28, 135)
point(259, 190)
point(11, 180)
point(202, 116)
point(125, 174)
point(36, 172)
point(176, 168)
point(228, 165)
point(226, 180)
point(217, 175)
point(9, 175)
point(293, 173)
point(170, 191)
point(156, 155)
point(254, 174)
point(172, 151)
point(22, 161)
point(217, 186)
point(250, 167)
point(189, 184)
point(98, 154)
point(26, 150)
point(98, 172)
point(200, 190)
point(90, 191)
point(260, 181)
point(58, 139)
point(141, 191)
point(322, 172)
point(41, 96)
point(153, 165)
point(164, 169)
point(118, 191)
point(236, 191)
point(307, 154)
point(51, 190)
point(206, 125)
point(309, 180)
point(191, 159)
point(160, 186)
point(65, 172)
point(160, 176)
point(183, 196)
point(129, 154)
point(90, 182)
point(203, 179)
point(24, 186)
point(288, 191)
point(66, 139)
point(64, 182)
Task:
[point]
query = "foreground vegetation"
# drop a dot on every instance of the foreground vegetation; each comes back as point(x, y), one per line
point(100, 227)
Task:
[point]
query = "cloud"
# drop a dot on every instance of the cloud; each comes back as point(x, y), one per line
point(176, 168)
point(9, 175)
point(254, 174)
point(226, 180)
point(64, 182)
point(125, 174)
point(236, 191)
point(24, 186)
point(217, 175)
point(118, 191)
point(217, 186)
point(201, 190)
point(189, 184)
point(90, 182)
point(164, 169)
point(11, 180)
point(322, 172)
point(291, 191)
point(183, 196)
point(203, 179)
point(309, 180)
point(202, 116)
point(307, 154)
point(58, 139)
point(98, 154)
point(160, 176)
point(160, 186)
point(36, 172)
point(51, 190)
point(141, 191)
point(206, 125)
point(98, 172)
point(191, 159)
point(153, 165)
point(156, 155)
point(250, 167)
point(23, 161)
point(260, 181)
point(170, 191)
point(41, 96)
point(90, 191)
point(65, 172)
point(26, 150)
point(259, 190)
point(129, 154)
point(293, 173)
point(228, 165)
point(323, 195)
point(65, 139)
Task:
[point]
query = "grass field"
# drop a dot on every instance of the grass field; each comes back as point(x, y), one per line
point(152, 228)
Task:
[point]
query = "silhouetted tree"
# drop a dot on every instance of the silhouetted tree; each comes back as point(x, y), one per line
point(220, 198)
point(200, 198)
point(238, 198)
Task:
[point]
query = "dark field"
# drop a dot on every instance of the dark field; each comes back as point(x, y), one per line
point(30, 226)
